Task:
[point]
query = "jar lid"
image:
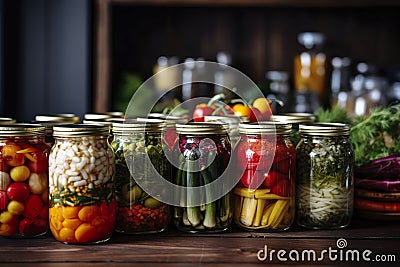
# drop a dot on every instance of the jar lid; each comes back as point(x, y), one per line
point(202, 128)
point(96, 116)
point(115, 114)
point(230, 119)
point(6, 120)
point(138, 125)
point(75, 130)
point(71, 118)
point(294, 117)
point(324, 129)
point(265, 127)
point(22, 129)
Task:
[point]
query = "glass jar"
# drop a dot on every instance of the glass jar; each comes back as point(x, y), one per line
point(135, 142)
point(264, 197)
point(294, 119)
point(325, 176)
point(205, 152)
point(24, 194)
point(81, 180)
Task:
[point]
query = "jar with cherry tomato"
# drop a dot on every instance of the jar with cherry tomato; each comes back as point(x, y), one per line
point(24, 194)
point(81, 184)
point(139, 152)
point(266, 160)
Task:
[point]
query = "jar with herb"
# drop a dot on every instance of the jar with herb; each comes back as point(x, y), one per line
point(138, 148)
point(24, 194)
point(264, 197)
point(205, 152)
point(81, 182)
point(325, 176)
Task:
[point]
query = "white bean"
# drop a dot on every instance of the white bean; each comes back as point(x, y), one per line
point(74, 179)
point(90, 186)
point(84, 174)
point(76, 159)
point(80, 183)
point(71, 173)
point(70, 153)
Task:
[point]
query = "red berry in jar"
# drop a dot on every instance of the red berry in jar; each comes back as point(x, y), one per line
point(18, 191)
point(33, 205)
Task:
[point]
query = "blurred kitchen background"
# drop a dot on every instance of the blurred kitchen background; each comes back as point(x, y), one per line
point(80, 56)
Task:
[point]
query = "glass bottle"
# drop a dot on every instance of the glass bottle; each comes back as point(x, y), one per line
point(310, 66)
point(325, 176)
point(264, 197)
point(81, 181)
point(205, 152)
point(134, 142)
point(24, 194)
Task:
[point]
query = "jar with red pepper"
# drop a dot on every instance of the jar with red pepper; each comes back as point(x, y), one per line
point(264, 196)
point(138, 145)
point(24, 194)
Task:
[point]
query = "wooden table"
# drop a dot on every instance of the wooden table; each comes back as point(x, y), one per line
point(234, 248)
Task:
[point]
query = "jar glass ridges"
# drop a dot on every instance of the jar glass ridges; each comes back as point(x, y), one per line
point(264, 196)
point(325, 176)
point(138, 148)
point(81, 179)
point(24, 195)
point(205, 152)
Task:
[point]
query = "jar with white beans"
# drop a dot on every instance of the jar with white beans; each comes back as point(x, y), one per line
point(81, 184)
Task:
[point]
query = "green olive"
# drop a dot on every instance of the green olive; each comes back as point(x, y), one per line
point(133, 195)
point(152, 203)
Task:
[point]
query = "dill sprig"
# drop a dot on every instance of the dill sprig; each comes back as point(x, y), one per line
point(376, 136)
point(336, 114)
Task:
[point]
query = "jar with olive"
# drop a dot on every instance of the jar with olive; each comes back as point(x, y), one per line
point(138, 152)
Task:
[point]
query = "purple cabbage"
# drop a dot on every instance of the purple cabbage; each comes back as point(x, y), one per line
point(386, 168)
point(387, 186)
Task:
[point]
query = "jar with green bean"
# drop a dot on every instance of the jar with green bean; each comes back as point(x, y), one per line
point(134, 143)
point(205, 151)
point(325, 176)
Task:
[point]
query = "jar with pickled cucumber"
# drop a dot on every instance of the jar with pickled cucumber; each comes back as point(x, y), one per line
point(24, 194)
point(325, 176)
point(138, 150)
point(204, 154)
point(81, 183)
point(264, 196)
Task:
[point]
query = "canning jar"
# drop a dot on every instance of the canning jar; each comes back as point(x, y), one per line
point(138, 148)
point(24, 194)
point(264, 196)
point(81, 180)
point(325, 176)
point(294, 119)
point(205, 152)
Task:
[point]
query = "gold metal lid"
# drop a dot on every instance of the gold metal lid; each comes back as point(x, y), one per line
point(294, 117)
point(76, 130)
point(115, 114)
point(230, 119)
point(202, 128)
point(71, 118)
point(138, 125)
point(324, 129)
point(7, 120)
point(265, 127)
point(96, 116)
point(22, 129)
